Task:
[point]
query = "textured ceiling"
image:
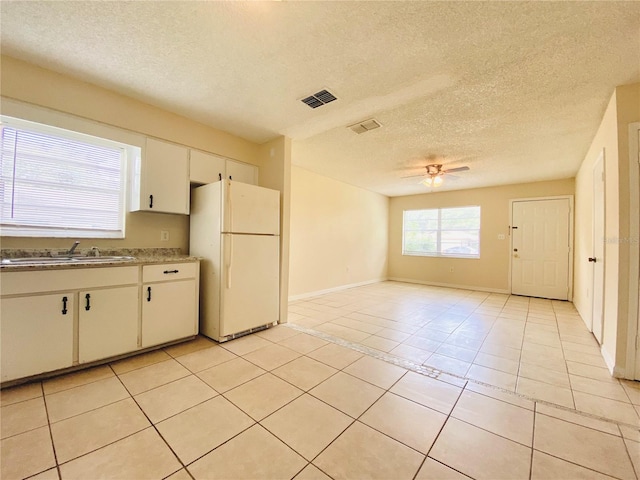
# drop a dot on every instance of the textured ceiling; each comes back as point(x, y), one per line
point(514, 90)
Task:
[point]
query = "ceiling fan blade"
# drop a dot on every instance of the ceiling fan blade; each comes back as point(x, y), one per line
point(413, 176)
point(457, 169)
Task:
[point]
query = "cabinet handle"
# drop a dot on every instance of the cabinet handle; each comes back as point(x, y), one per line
point(88, 299)
point(64, 305)
point(220, 176)
point(170, 271)
point(148, 294)
point(593, 259)
point(230, 177)
point(150, 201)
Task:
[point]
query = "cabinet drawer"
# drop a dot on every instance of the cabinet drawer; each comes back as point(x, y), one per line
point(169, 271)
point(15, 283)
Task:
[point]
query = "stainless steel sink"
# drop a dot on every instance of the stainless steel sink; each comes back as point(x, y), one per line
point(103, 259)
point(34, 260)
point(65, 260)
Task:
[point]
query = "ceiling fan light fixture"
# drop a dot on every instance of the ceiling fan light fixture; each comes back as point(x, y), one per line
point(432, 181)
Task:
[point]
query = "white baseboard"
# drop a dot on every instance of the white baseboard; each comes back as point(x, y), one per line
point(451, 285)
point(611, 364)
point(334, 289)
point(583, 312)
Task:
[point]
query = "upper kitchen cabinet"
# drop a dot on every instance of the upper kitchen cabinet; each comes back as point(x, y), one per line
point(161, 179)
point(208, 168)
point(242, 172)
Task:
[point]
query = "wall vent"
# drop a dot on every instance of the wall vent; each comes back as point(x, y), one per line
point(319, 98)
point(365, 126)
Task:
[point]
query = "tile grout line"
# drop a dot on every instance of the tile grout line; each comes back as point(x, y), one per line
point(522, 346)
point(435, 440)
point(152, 426)
point(626, 447)
point(356, 419)
point(353, 419)
point(573, 397)
point(53, 445)
point(572, 462)
point(533, 440)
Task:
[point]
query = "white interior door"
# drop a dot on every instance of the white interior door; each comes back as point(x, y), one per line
point(597, 260)
point(250, 209)
point(250, 282)
point(540, 248)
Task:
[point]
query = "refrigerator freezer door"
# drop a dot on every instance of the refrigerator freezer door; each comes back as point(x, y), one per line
point(250, 283)
point(250, 209)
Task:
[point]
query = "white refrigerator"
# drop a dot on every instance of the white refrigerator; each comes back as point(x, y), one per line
point(235, 230)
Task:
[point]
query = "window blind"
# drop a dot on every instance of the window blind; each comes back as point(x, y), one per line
point(61, 183)
point(450, 232)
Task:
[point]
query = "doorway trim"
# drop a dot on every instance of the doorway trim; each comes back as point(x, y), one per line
point(555, 197)
point(634, 254)
point(600, 255)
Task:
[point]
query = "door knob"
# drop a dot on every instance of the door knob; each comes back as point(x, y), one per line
point(592, 259)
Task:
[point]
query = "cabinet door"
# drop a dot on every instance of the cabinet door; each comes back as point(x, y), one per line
point(165, 176)
point(37, 334)
point(242, 172)
point(205, 168)
point(168, 311)
point(109, 326)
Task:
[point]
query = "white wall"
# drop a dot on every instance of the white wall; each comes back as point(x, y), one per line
point(612, 136)
point(338, 234)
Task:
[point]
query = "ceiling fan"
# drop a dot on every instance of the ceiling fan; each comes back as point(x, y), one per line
point(434, 174)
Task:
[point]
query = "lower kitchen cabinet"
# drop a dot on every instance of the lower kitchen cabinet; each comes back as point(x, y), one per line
point(169, 302)
point(107, 322)
point(53, 319)
point(168, 311)
point(36, 333)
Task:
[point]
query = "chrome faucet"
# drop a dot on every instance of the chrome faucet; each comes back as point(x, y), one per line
point(73, 249)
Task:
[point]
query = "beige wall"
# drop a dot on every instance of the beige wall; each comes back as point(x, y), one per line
point(491, 271)
point(607, 138)
point(275, 172)
point(612, 135)
point(338, 234)
point(28, 83)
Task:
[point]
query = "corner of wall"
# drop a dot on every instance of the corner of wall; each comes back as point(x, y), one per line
point(274, 162)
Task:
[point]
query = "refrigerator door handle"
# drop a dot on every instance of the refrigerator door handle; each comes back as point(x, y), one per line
point(230, 206)
point(229, 261)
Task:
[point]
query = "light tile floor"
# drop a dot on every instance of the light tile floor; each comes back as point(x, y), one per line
point(284, 404)
point(537, 348)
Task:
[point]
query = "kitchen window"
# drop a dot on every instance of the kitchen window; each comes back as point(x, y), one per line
point(442, 232)
point(61, 183)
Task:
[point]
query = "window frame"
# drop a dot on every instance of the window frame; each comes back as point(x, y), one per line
point(129, 152)
point(438, 231)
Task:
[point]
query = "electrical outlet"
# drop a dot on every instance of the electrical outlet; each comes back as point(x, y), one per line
point(501, 236)
point(164, 235)
point(451, 269)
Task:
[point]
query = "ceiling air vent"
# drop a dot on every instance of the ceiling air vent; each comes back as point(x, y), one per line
point(365, 126)
point(318, 99)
